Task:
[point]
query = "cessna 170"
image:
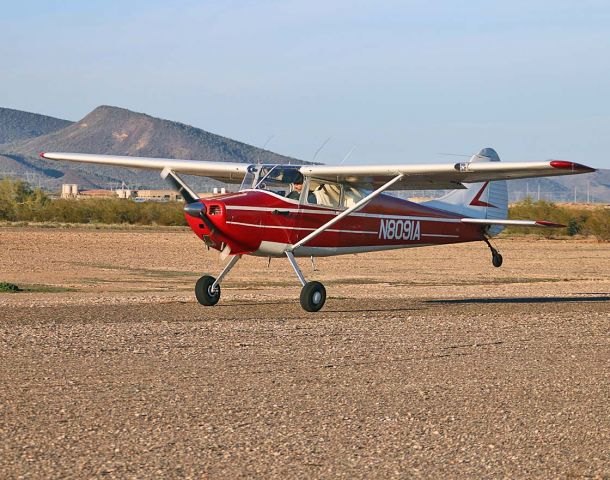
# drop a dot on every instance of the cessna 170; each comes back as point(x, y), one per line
point(321, 210)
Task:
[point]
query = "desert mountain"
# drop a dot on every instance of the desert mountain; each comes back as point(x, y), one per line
point(16, 125)
point(113, 130)
point(593, 187)
point(117, 131)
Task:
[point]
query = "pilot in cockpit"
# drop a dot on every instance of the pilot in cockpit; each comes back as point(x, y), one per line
point(297, 188)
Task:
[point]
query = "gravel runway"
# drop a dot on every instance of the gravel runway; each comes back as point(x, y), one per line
point(424, 363)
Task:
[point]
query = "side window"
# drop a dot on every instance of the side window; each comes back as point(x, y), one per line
point(351, 196)
point(324, 193)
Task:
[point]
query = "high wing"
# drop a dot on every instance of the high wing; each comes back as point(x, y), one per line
point(415, 177)
point(223, 171)
point(441, 176)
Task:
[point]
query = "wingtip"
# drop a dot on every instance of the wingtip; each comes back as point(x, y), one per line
point(545, 223)
point(575, 167)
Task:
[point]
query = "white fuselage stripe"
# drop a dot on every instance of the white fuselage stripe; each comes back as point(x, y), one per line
point(439, 235)
point(366, 232)
point(335, 212)
point(280, 227)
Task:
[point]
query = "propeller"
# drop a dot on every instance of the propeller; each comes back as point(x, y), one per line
point(193, 207)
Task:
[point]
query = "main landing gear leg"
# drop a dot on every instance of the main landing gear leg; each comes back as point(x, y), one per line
point(496, 258)
point(207, 288)
point(313, 294)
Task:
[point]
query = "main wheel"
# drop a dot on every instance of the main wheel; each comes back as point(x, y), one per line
point(203, 291)
point(496, 259)
point(313, 296)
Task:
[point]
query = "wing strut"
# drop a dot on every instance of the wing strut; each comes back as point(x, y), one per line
point(170, 176)
point(344, 214)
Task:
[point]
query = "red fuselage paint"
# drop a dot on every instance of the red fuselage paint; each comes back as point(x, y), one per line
point(251, 220)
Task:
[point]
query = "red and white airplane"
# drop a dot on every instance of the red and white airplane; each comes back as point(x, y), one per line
point(320, 210)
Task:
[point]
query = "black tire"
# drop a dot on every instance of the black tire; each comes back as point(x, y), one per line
point(203, 291)
point(313, 296)
point(496, 260)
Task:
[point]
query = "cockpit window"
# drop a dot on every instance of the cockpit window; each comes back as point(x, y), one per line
point(278, 179)
point(324, 193)
point(335, 195)
point(352, 195)
point(287, 181)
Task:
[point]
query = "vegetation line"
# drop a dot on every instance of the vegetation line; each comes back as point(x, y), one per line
point(20, 203)
point(581, 220)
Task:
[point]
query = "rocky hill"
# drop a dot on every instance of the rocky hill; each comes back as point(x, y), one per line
point(113, 130)
point(16, 125)
point(117, 131)
point(593, 187)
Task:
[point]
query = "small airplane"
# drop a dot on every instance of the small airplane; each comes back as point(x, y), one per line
point(322, 210)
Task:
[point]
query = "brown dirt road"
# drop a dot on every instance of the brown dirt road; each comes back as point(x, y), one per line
point(425, 362)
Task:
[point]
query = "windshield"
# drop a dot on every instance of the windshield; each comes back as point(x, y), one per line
point(275, 178)
point(287, 181)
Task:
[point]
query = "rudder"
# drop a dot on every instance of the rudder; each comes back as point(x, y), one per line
point(478, 200)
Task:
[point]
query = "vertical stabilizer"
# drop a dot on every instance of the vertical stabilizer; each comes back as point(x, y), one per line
point(478, 200)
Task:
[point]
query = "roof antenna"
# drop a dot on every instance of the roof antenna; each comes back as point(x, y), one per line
point(320, 148)
point(258, 154)
point(347, 156)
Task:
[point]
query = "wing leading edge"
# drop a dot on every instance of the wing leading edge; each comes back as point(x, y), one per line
point(416, 177)
point(443, 176)
point(223, 171)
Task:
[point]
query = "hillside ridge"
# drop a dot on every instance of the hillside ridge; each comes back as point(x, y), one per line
point(16, 125)
point(118, 131)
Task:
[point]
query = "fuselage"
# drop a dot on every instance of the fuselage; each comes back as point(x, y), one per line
point(263, 223)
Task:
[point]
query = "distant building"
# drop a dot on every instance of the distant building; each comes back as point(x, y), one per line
point(125, 193)
point(96, 193)
point(165, 195)
point(69, 190)
point(158, 195)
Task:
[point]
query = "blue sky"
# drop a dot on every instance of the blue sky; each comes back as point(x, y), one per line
point(396, 81)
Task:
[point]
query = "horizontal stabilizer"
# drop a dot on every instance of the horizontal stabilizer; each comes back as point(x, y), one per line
point(514, 223)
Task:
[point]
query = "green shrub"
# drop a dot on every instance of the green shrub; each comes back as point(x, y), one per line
point(580, 220)
point(7, 287)
point(18, 200)
point(19, 203)
point(112, 211)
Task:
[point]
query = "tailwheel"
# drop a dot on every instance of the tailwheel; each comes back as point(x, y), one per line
point(206, 295)
point(496, 259)
point(313, 296)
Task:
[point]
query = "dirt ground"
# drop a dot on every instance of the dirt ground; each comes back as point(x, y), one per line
point(425, 362)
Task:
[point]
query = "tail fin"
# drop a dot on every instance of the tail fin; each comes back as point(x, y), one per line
point(487, 200)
